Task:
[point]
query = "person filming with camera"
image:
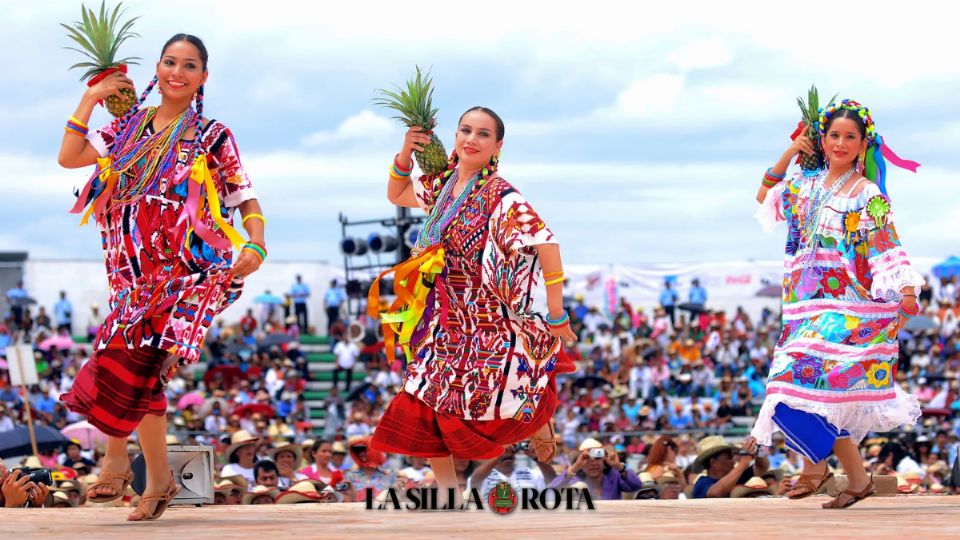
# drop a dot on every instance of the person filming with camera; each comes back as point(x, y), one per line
point(23, 487)
point(601, 470)
point(724, 466)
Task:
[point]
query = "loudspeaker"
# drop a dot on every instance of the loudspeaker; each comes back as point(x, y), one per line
point(192, 468)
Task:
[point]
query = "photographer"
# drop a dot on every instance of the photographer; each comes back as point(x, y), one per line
point(19, 491)
point(602, 472)
point(723, 470)
point(506, 469)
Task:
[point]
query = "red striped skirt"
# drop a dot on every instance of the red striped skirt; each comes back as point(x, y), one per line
point(117, 387)
point(412, 428)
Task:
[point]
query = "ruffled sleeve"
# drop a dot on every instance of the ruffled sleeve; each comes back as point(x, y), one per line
point(511, 265)
point(771, 211)
point(423, 190)
point(890, 269)
point(224, 157)
point(102, 139)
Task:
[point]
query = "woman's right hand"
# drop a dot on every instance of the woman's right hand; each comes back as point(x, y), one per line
point(111, 85)
point(802, 144)
point(415, 140)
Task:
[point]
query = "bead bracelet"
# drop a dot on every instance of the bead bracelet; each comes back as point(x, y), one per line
point(562, 321)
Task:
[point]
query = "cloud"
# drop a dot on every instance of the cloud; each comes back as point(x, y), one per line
point(701, 55)
point(363, 127)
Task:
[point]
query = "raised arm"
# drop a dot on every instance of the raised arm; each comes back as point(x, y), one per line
point(75, 150)
point(400, 186)
point(801, 144)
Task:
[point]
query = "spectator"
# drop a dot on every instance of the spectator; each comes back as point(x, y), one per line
point(72, 456)
point(17, 491)
point(17, 298)
point(663, 459)
point(93, 322)
point(322, 468)
point(347, 353)
point(369, 471)
point(668, 301)
point(6, 423)
point(601, 470)
point(261, 495)
point(721, 472)
point(241, 455)
point(300, 293)
point(248, 323)
point(333, 299)
point(63, 311)
point(288, 457)
point(418, 472)
point(42, 321)
point(671, 486)
point(266, 473)
point(505, 469)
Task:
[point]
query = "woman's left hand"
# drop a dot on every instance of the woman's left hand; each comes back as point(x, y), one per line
point(247, 263)
point(613, 458)
point(563, 332)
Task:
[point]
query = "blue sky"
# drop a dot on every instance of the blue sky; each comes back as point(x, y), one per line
point(639, 133)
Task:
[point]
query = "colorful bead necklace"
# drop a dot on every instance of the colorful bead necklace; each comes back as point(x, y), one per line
point(444, 211)
point(819, 196)
point(142, 161)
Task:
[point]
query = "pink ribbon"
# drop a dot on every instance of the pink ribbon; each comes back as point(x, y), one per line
point(190, 213)
point(897, 160)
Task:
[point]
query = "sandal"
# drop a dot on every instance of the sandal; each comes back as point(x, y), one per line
point(810, 484)
point(545, 447)
point(869, 490)
point(162, 499)
point(109, 479)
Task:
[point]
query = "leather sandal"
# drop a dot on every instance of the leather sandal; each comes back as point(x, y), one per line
point(855, 497)
point(545, 447)
point(162, 502)
point(809, 483)
point(109, 479)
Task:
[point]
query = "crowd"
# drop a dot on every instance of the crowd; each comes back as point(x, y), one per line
point(658, 408)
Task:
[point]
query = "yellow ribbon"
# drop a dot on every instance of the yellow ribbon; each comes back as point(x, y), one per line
point(108, 177)
point(200, 173)
point(413, 279)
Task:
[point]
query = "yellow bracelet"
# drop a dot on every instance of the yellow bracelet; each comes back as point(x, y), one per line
point(78, 122)
point(395, 176)
point(551, 274)
point(554, 281)
point(258, 216)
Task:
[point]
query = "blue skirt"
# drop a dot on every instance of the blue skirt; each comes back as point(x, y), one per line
point(808, 434)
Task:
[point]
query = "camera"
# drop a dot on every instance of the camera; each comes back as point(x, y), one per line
point(523, 446)
point(37, 476)
point(597, 453)
point(342, 486)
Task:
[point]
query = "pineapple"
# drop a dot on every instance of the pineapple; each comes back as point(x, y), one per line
point(415, 105)
point(99, 37)
point(811, 113)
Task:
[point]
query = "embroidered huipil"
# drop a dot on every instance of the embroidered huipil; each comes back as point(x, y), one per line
point(480, 352)
point(165, 290)
point(837, 353)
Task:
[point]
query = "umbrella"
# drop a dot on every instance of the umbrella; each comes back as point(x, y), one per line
point(770, 291)
point(61, 342)
point(254, 408)
point(85, 433)
point(918, 324)
point(597, 381)
point(267, 298)
point(16, 442)
point(229, 375)
point(948, 268)
point(194, 399)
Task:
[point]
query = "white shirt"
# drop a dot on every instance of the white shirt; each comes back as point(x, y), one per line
point(347, 354)
point(417, 475)
point(522, 477)
point(233, 469)
point(6, 424)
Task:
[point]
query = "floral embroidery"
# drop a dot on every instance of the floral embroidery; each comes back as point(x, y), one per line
point(878, 375)
point(866, 332)
point(807, 370)
point(834, 282)
point(878, 207)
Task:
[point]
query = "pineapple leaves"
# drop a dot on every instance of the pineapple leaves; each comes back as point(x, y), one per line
point(414, 102)
point(99, 36)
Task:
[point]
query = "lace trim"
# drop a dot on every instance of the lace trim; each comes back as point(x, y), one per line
point(886, 286)
point(858, 418)
point(771, 210)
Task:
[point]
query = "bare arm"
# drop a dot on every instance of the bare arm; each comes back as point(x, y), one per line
point(551, 263)
point(800, 144)
point(246, 262)
point(400, 191)
point(75, 150)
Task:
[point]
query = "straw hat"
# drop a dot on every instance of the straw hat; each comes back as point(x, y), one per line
point(172, 439)
point(34, 463)
point(668, 478)
point(753, 487)
point(224, 487)
point(260, 491)
point(288, 447)
point(647, 483)
point(238, 481)
point(338, 448)
point(709, 447)
point(590, 443)
point(62, 500)
point(301, 492)
point(238, 439)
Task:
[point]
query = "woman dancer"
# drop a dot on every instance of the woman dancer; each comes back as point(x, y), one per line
point(481, 364)
point(848, 288)
point(166, 184)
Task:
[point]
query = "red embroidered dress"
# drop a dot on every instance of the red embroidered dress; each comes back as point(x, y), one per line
point(164, 290)
point(483, 366)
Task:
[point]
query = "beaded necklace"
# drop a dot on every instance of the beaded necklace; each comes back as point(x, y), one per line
point(142, 161)
point(819, 196)
point(444, 211)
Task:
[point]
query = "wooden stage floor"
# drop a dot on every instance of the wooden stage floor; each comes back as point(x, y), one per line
point(902, 517)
